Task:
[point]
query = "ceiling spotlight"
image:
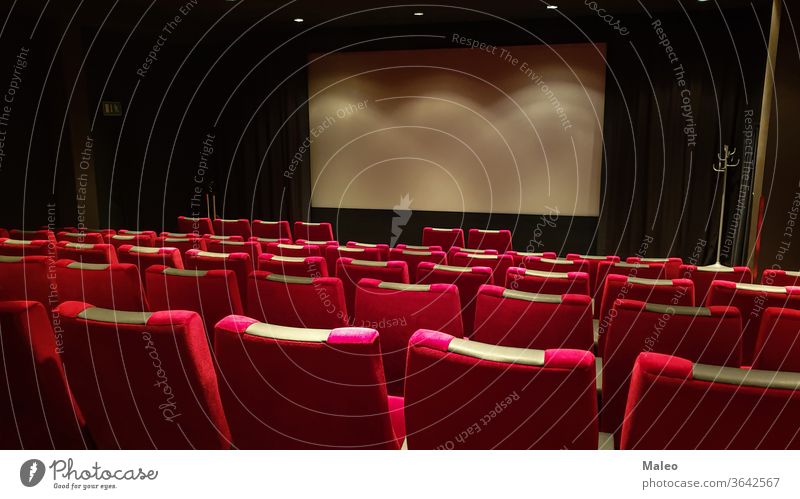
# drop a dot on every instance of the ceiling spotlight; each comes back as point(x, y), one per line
point(419, 13)
point(552, 6)
point(298, 19)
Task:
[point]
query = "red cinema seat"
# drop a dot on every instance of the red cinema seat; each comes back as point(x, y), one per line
point(499, 240)
point(294, 388)
point(86, 253)
point(81, 237)
point(146, 240)
point(678, 292)
point(560, 265)
point(752, 300)
point(300, 266)
point(468, 395)
point(446, 238)
point(414, 257)
point(704, 276)
point(239, 263)
point(105, 233)
point(213, 294)
point(333, 253)
point(778, 341)
point(457, 249)
point(322, 244)
point(18, 247)
point(708, 335)
point(351, 271)
point(195, 225)
point(397, 310)
point(233, 227)
point(527, 320)
point(319, 231)
point(641, 270)
point(36, 406)
point(672, 265)
point(32, 235)
point(772, 277)
point(594, 263)
point(183, 244)
point(520, 256)
point(28, 278)
point(252, 248)
point(104, 285)
point(296, 301)
point(144, 257)
point(498, 263)
point(272, 230)
point(676, 404)
point(296, 250)
point(264, 241)
point(548, 283)
point(209, 237)
point(468, 280)
point(144, 380)
point(383, 249)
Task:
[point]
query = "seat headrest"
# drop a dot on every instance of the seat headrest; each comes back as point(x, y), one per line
point(368, 263)
point(211, 254)
point(397, 286)
point(10, 259)
point(531, 297)
point(677, 310)
point(451, 268)
point(746, 377)
point(144, 249)
point(289, 279)
point(276, 332)
point(547, 275)
point(184, 272)
point(495, 353)
point(760, 288)
point(114, 316)
point(88, 266)
point(288, 259)
point(649, 282)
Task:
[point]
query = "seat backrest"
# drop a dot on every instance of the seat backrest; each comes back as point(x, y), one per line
point(778, 342)
point(81, 237)
point(498, 263)
point(267, 229)
point(446, 238)
point(213, 294)
point(676, 404)
point(752, 300)
point(414, 257)
point(607, 267)
point(519, 256)
point(499, 240)
point(672, 265)
point(132, 240)
point(252, 248)
point(143, 257)
point(296, 301)
point(709, 335)
point(383, 249)
point(195, 225)
point(773, 277)
point(397, 310)
point(351, 271)
point(468, 280)
point(264, 241)
point(28, 278)
point(594, 263)
point(115, 285)
point(320, 231)
point(239, 263)
point(87, 253)
point(470, 395)
point(297, 250)
point(458, 249)
point(528, 320)
point(704, 276)
point(333, 253)
point(36, 406)
point(618, 287)
point(106, 233)
point(19, 247)
point(295, 388)
point(300, 266)
point(144, 380)
point(548, 283)
point(183, 244)
point(233, 227)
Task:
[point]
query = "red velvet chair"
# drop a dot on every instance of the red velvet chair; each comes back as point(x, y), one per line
point(264, 241)
point(296, 301)
point(182, 244)
point(751, 300)
point(351, 271)
point(672, 265)
point(704, 276)
point(32, 235)
point(383, 249)
point(499, 240)
point(143, 380)
point(675, 404)
point(548, 283)
point(319, 231)
point(296, 250)
point(527, 320)
point(468, 395)
point(560, 265)
point(239, 263)
point(772, 277)
point(308, 266)
point(195, 225)
point(778, 341)
point(144, 257)
point(640, 270)
point(321, 244)
point(468, 280)
point(236, 227)
point(446, 238)
point(18, 247)
point(414, 257)
point(458, 249)
point(145, 240)
point(105, 233)
point(498, 263)
point(81, 237)
point(252, 248)
point(334, 253)
point(87, 253)
point(272, 230)
point(36, 406)
point(28, 279)
point(594, 262)
point(519, 256)
point(708, 335)
point(104, 285)
point(293, 388)
point(397, 310)
point(213, 294)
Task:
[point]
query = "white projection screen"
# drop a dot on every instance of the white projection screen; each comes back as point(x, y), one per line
point(500, 130)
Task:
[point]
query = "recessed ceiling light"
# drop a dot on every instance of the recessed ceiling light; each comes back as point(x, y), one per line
point(298, 19)
point(419, 13)
point(552, 6)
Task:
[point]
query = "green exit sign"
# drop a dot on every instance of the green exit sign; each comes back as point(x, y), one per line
point(112, 108)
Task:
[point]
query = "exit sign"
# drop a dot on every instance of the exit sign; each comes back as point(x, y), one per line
point(112, 108)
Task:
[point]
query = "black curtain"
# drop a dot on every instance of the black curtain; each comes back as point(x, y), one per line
point(661, 196)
